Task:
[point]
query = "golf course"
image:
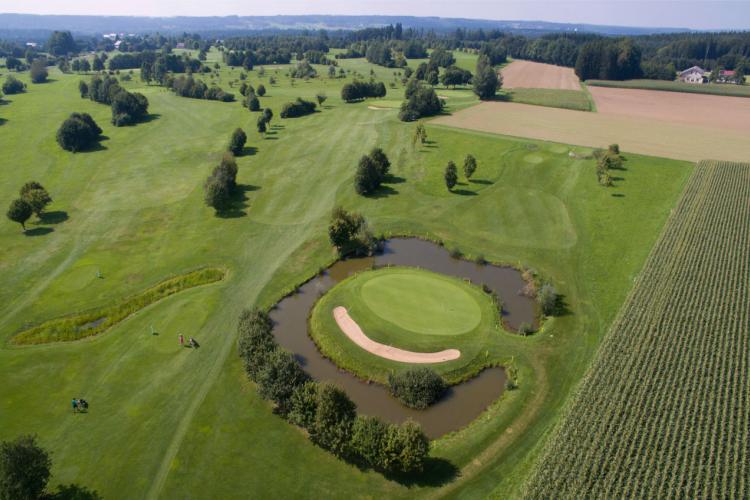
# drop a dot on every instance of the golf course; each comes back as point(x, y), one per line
point(166, 421)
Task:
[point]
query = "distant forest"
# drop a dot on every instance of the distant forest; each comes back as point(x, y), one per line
point(593, 56)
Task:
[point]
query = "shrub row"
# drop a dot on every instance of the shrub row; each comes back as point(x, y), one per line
point(127, 107)
point(357, 90)
point(322, 409)
point(197, 89)
point(300, 107)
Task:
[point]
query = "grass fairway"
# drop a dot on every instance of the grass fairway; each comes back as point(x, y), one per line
point(414, 310)
point(165, 421)
point(578, 100)
point(421, 302)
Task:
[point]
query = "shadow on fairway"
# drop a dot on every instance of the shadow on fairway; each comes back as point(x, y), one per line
point(38, 231)
point(464, 192)
point(72, 492)
point(618, 195)
point(3, 121)
point(54, 217)
point(149, 118)
point(481, 181)
point(383, 192)
point(393, 179)
point(239, 203)
point(249, 151)
point(437, 472)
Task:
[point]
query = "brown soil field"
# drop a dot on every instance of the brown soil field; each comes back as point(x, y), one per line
point(636, 133)
point(689, 109)
point(534, 75)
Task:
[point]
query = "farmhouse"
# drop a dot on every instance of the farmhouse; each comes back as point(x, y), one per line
point(695, 74)
point(729, 76)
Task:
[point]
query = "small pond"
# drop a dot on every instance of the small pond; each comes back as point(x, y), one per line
point(463, 402)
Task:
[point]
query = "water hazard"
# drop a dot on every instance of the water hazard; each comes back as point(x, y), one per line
point(463, 402)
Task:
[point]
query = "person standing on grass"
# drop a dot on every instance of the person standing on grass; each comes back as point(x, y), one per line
point(182, 340)
point(74, 402)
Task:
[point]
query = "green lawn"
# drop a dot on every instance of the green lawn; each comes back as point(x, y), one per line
point(579, 100)
point(167, 422)
point(415, 310)
point(708, 88)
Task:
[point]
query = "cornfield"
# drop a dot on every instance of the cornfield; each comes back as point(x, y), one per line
point(664, 411)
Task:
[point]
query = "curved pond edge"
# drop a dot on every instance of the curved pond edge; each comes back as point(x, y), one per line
point(466, 400)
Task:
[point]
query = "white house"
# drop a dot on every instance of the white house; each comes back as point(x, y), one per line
point(693, 75)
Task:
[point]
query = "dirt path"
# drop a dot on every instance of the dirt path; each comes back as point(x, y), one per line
point(352, 330)
point(534, 75)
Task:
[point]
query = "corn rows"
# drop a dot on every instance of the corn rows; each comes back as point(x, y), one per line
point(664, 410)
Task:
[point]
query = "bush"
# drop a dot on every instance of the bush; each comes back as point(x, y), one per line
point(548, 299)
point(252, 102)
point(279, 377)
point(255, 341)
point(13, 85)
point(525, 329)
point(368, 440)
point(78, 132)
point(303, 405)
point(221, 184)
point(298, 108)
point(334, 418)
point(349, 233)
point(128, 108)
point(417, 387)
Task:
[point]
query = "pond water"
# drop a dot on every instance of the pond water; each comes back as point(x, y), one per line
point(463, 402)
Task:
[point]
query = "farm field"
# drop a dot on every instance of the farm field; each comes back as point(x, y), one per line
point(662, 412)
point(535, 75)
point(635, 134)
point(179, 418)
point(709, 88)
point(717, 112)
point(578, 100)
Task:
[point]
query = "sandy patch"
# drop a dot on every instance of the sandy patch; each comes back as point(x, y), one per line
point(377, 108)
point(694, 141)
point(534, 75)
point(352, 330)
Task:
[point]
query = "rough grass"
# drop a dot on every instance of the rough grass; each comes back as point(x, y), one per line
point(483, 334)
point(94, 322)
point(578, 100)
point(172, 420)
point(708, 88)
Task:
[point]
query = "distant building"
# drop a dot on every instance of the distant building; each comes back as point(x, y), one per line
point(728, 76)
point(117, 44)
point(31, 44)
point(695, 74)
point(180, 45)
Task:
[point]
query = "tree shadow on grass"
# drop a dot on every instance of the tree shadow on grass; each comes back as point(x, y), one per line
point(249, 151)
point(277, 127)
point(464, 192)
point(3, 121)
point(437, 472)
point(238, 204)
point(150, 117)
point(393, 179)
point(383, 192)
point(481, 181)
point(54, 217)
point(38, 231)
point(72, 492)
point(270, 138)
point(618, 195)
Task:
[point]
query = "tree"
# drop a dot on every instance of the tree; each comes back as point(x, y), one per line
point(422, 102)
point(381, 161)
point(548, 299)
point(98, 65)
point(61, 43)
point(349, 233)
point(261, 124)
point(12, 85)
point(35, 195)
point(83, 89)
point(417, 387)
point(38, 71)
point(268, 115)
point(19, 211)
point(252, 102)
point(470, 166)
point(279, 378)
point(334, 418)
point(261, 90)
point(455, 76)
point(25, 468)
point(220, 185)
point(408, 446)
point(303, 405)
point(255, 341)
point(451, 175)
point(368, 177)
point(420, 134)
point(368, 440)
point(331, 71)
point(237, 142)
point(321, 98)
point(486, 80)
point(128, 108)
point(432, 78)
point(78, 132)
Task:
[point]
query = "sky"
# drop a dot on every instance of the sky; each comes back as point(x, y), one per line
point(696, 14)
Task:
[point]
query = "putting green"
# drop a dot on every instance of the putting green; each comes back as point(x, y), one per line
point(421, 302)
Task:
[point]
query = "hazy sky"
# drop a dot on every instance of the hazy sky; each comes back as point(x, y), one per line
point(706, 14)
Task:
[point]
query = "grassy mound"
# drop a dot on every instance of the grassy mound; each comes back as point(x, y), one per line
point(411, 309)
point(94, 322)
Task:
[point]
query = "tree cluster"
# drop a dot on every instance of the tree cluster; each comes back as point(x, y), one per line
point(303, 70)
point(298, 108)
point(221, 185)
point(359, 90)
point(322, 409)
point(608, 60)
point(197, 89)
point(38, 71)
point(380, 53)
point(486, 80)
point(80, 65)
point(421, 100)
point(350, 233)
point(61, 43)
point(372, 170)
point(417, 387)
point(237, 142)
point(33, 199)
point(607, 161)
point(442, 58)
point(78, 132)
point(453, 76)
point(127, 107)
point(264, 120)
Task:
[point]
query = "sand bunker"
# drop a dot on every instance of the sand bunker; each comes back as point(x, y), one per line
point(352, 330)
point(534, 75)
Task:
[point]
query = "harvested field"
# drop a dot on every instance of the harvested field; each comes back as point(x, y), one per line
point(633, 132)
point(690, 109)
point(662, 412)
point(534, 75)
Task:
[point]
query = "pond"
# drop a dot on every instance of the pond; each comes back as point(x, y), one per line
point(463, 402)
